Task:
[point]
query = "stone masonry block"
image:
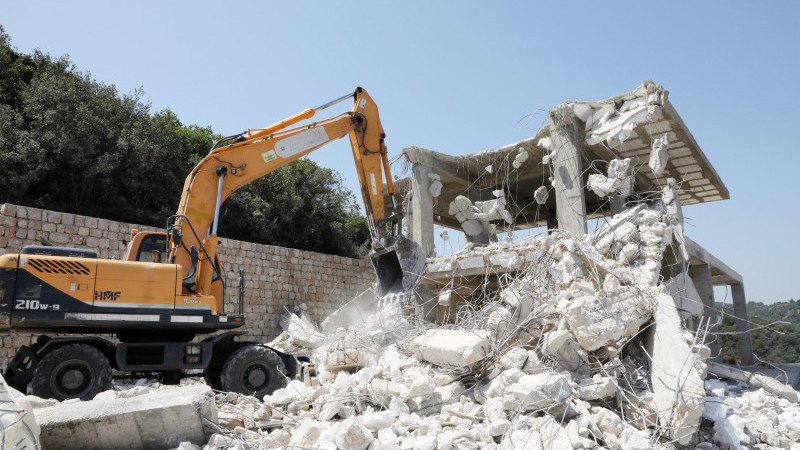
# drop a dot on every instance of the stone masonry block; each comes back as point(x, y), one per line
point(8, 209)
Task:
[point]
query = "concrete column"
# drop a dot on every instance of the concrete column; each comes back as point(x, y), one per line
point(742, 325)
point(570, 201)
point(701, 277)
point(421, 226)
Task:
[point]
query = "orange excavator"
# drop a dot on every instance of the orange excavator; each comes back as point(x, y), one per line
point(170, 285)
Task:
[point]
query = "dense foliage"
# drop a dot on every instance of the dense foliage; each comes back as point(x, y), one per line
point(73, 144)
point(778, 343)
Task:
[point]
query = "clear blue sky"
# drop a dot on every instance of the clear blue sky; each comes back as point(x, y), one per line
point(460, 77)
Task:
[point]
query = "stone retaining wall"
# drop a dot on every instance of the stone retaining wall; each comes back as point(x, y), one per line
point(275, 277)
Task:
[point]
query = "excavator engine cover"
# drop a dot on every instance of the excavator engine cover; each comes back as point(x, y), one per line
point(398, 263)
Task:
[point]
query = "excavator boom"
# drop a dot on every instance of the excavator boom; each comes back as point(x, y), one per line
point(248, 156)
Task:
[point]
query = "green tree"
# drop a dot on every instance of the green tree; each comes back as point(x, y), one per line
point(73, 144)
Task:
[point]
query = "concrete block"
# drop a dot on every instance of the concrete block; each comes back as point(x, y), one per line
point(540, 391)
point(8, 209)
point(451, 348)
point(161, 419)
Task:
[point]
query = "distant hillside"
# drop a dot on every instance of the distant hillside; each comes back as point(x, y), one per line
point(777, 343)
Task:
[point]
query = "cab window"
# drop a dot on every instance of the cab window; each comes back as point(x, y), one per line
point(150, 244)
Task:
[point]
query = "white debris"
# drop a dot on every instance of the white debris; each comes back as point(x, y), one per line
point(619, 179)
point(520, 158)
point(659, 155)
point(597, 388)
point(18, 426)
point(556, 354)
point(540, 392)
point(435, 188)
point(540, 195)
point(351, 434)
point(615, 126)
point(451, 348)
point(514, 358)
point(477, 218)
point(596, 321)
point(677, 373)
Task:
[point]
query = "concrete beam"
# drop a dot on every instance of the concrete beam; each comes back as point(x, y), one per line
point(161, 419)
point(569, 190)
point(701, 277)
point(697, 251)
point(742, 325)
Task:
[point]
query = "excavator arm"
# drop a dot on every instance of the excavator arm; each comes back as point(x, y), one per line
point(238, 160)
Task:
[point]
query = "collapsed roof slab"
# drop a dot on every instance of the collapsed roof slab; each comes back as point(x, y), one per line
point(606, 132)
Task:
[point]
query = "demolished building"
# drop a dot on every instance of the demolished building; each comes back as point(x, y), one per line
point(591, 161)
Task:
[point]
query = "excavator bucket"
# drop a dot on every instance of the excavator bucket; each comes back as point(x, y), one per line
point(398, 265)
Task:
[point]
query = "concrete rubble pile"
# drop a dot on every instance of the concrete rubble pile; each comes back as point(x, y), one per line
point(580, 347)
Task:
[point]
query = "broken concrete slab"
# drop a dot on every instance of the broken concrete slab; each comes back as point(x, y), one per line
point(596, 321)
point(451, 348)
point(161, 419)
point(756, 380)
point(677, 373)
point(597, 388)
point(540, 392)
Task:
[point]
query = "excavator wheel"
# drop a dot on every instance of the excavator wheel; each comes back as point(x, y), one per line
point(213, 378)
point(253, 370)
point(72, 371)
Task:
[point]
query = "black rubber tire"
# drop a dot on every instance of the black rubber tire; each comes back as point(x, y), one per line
point(253, 370)
point(72, 371)
point(213, 378)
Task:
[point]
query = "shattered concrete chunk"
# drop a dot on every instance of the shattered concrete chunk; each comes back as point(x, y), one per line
point(421, 386)
point(540, 195)
point(472, 227)
point(596, 321)
point(553, 435)
point(378, 420)
point(451, 348)
point(18, 426)
point(435, 189)
point(619, 179)
point(303, 333)
point(597, 388)
point(307, 434)
point(514, 358)
point(497, 386)
point(351, 434)
point(659, 155)
point(541, 391)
